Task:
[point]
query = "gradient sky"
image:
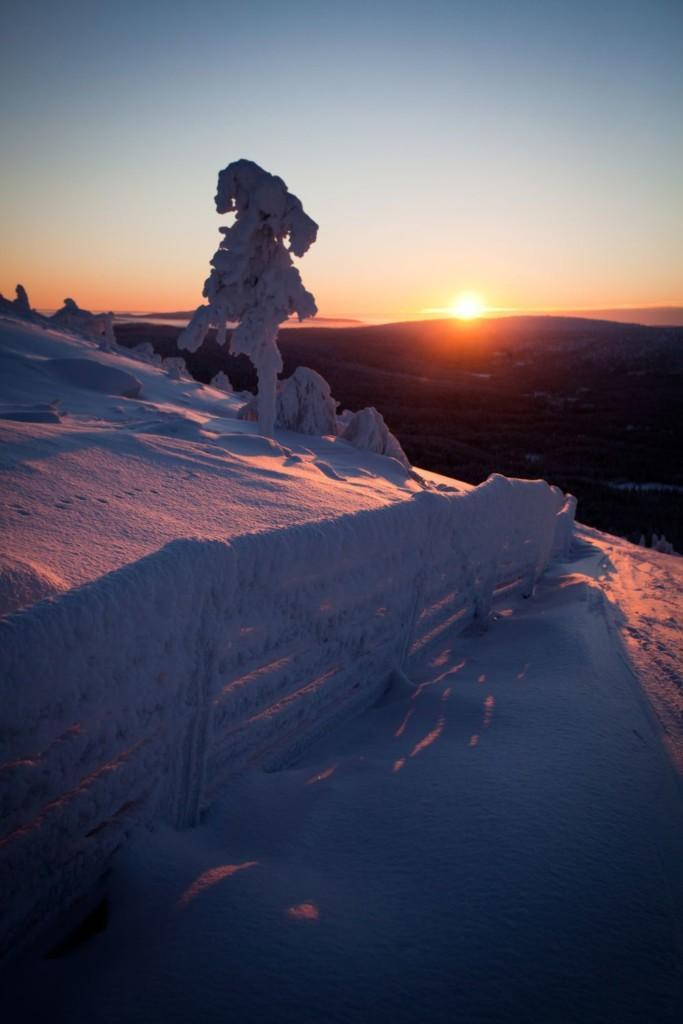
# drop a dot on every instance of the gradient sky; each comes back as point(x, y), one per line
point(529, 151)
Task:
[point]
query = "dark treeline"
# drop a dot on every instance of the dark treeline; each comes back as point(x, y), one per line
point(584, 404)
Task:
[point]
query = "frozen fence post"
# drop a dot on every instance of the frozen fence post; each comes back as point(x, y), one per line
point(253, 281)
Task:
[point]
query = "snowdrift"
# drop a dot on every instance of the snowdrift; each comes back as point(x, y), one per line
point(135, 697)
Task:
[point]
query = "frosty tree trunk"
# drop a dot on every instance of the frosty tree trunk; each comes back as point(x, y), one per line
point(267, 369)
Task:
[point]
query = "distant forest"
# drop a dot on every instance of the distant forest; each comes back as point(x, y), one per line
point(588, 405)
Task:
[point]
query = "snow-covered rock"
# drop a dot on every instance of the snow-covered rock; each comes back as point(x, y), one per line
point(367, 429)
point(20, 307)
point(98, 327)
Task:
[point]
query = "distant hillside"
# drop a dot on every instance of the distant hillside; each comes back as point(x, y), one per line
point(654, 316)
point(182, 315)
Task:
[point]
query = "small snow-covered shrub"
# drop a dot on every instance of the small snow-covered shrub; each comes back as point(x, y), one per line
point(145, 353)
point(253, 281)
point(222, 382)
point(657, 543)
point(304, 404)
point(367, 429)
point(175, 367)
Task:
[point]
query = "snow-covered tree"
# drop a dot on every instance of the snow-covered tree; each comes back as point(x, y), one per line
point(253, 281)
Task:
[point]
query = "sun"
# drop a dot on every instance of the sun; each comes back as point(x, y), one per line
point(467, 306)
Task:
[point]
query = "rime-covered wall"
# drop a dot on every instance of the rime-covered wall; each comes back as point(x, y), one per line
point(135, 698)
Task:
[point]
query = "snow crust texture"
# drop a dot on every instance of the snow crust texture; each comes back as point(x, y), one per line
point(135, 698)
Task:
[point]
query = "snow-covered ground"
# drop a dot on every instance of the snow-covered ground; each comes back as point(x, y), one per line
point(499, 840)
point(646, 591)
point(496, 837)
point(104, 479)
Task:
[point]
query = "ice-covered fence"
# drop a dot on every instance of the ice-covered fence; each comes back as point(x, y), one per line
point(136, 697)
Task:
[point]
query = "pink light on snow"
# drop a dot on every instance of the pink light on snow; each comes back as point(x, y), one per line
point(304, 912)
point(319, 776)
point(430, 738)
point(402, 727)
point(211, 877)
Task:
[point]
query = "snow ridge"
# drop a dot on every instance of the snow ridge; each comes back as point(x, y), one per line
point(135, 698)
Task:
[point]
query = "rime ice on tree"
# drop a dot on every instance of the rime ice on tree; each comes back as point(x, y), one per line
point(253, 280)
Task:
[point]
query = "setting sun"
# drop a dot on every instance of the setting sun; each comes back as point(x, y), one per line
point(467, 306)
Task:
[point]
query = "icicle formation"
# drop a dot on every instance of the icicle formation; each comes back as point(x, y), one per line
point(253, 280)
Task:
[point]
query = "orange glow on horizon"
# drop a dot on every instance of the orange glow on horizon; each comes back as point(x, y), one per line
point(467, 306)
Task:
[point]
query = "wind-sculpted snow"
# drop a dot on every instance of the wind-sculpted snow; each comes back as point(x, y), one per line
point(93, 376)
point(136, 697)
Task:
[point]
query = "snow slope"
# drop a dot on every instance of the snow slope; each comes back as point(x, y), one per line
point(646, 591)
point(499, 839)
point(107, 477)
